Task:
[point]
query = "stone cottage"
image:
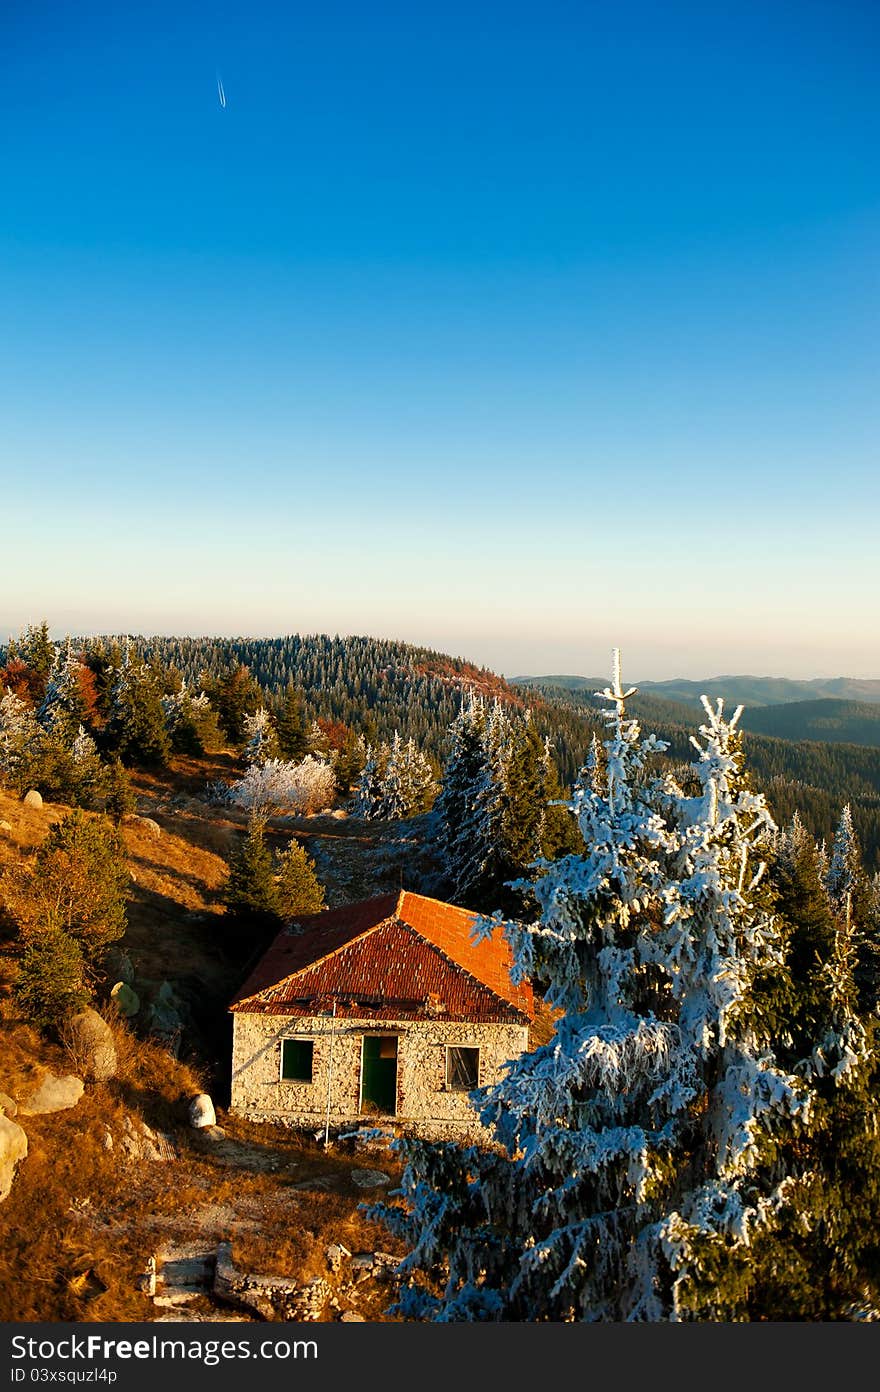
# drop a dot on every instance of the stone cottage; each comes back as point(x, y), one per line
point(379, 1011)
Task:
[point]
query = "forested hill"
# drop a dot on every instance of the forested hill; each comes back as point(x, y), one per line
point(831, 722)
point(378, 686)
point(375, 685)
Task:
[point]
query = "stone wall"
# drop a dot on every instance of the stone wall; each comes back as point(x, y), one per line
point(425, 1105)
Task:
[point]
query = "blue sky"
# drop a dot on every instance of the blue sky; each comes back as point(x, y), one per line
point(517, 330)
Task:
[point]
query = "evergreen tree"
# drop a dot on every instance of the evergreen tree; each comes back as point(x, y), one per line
point(560, 835)
point(76, 883)
point(20, 738)
point(260, 741)
point(70, 698)
point(845, 874)
point(819, 1256)
point(298, 888)
point(136, 731)
point(37, 651)
point(191, 722)
point(407, 785)
point(461, 772)
point(627, 1149)
point(348, 761)
point(368, 794)
point(251, 888)
point(292, 728)
point(850, 893)
point(51, 982)
point(234, 695)
point(491, 821)
point(119, 797)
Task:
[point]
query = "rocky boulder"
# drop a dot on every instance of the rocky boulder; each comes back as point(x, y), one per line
point(143, 823)
point(52, 1094)
point(13, 1147)
point(140, 1142)
point(370, 1179)
point(91, 1040)
point(32, 798)
point(201, 1111)
point(7, 1106)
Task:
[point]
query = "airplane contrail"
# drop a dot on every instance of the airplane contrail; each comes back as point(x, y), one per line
point(221, 94)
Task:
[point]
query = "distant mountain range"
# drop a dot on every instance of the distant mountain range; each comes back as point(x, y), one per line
point(748, 691)
point(828, 720)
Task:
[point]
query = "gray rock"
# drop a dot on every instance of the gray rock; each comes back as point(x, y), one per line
point(107, 1138)
point(128, 1002)
point(143, 823)
point(141, 1142)
point(7, 1105)
point(53, 1095)
point(32, 798)
point(201, 1111)
point(166, 1015)
point(92, 1041)
point(370, 1179)
point(13, 1148)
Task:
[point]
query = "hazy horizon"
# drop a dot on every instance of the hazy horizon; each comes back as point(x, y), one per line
point(476, 653)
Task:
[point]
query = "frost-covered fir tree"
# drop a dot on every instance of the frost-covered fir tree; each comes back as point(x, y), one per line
point(69, 700)
point(396, 781)
point(630, 1142)
point(461, 773)
point(260, 740)
point(491, 820)
point(845, 870)
point(407, 785)
point(850, 893)
point(136, 730)
point(191, 722)
point(19, 736)
point(368, 793)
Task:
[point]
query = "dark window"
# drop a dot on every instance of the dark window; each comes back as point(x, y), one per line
point(296, 1060)
point(462, 1068)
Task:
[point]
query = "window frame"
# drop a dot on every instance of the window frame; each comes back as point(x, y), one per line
point(297, 1039)
point(448, 1085)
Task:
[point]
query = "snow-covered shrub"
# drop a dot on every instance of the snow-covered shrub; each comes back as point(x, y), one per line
point(276, 786)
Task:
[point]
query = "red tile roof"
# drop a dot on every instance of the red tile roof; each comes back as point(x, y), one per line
point(399, 954)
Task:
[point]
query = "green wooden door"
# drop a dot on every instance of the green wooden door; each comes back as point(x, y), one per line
point(379, 1073)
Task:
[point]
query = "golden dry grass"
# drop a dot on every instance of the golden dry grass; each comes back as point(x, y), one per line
point(80, 1220)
